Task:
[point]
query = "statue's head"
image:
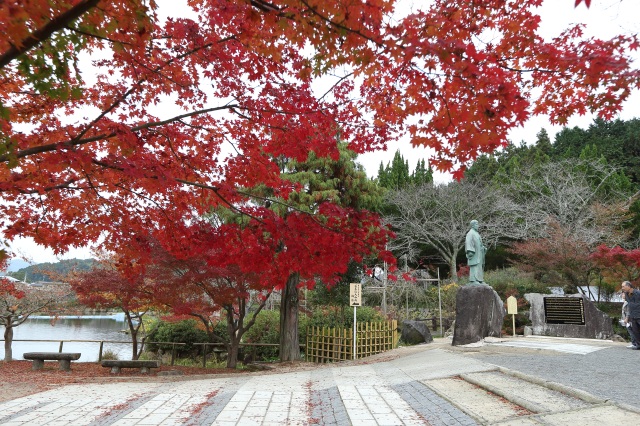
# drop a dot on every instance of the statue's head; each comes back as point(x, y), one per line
point(474, 224)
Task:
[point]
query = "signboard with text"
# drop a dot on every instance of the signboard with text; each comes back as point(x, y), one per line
point(355, 295)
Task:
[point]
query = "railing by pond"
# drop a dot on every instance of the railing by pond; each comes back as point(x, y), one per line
point(173, 346)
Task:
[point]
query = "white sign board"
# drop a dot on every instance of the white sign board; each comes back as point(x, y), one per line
point(355, 295)
point(512, 305)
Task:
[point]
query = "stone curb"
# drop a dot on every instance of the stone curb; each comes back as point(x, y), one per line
point(534, 408)
point(576, 393)
point(453, 402)
point(627, 407)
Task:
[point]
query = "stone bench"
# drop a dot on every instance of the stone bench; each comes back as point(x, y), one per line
point(64, 359)
point(143, 365)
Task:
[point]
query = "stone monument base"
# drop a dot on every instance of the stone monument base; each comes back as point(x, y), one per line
point(479, 314)
point(588, 322)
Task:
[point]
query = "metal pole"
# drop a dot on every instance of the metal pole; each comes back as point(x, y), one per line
point(440, 304)
point(406, 294)
point(354, 332)
point(204, 355)
point(384, 289)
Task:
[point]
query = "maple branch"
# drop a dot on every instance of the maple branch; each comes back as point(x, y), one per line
point(264, 6)
point(142, 80)
point(340, 26)
point(76, 142)
point(99, 37)
point(56, 24)
point(334, 85)
point(46, 189)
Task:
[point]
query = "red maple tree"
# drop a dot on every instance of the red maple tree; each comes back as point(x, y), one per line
point(107, 287)
point(618, 264)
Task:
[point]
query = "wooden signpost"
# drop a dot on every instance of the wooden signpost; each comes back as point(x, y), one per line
point(355, 300)
point(512, 309)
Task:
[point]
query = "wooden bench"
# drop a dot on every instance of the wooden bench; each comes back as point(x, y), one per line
point(143, 365)
point(64, 359)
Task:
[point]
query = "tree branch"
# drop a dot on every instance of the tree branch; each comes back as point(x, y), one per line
point(45, 32)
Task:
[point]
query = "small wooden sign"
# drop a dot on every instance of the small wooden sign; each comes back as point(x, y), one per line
point(355, 294)
point(512, 305)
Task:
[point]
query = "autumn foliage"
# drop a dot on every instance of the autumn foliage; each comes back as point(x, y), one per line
point(618, 264)
point(118, 123)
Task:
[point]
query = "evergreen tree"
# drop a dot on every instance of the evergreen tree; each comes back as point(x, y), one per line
point(396, 174)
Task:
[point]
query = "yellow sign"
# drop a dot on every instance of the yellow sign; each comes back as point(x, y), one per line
point(355, 295)
point(512, 305)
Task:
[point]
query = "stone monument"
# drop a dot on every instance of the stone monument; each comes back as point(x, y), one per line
point(569, 315)
point(479, 310)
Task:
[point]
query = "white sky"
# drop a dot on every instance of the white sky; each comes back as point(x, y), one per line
point(604, 19)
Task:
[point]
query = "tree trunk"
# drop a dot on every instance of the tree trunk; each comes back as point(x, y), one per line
point(232, 353)
point(453, 268)
point(8, 340)
point(289, 303)
point(134, 337)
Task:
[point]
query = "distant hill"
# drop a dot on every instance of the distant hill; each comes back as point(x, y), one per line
point(52, 271)
point(17, 264)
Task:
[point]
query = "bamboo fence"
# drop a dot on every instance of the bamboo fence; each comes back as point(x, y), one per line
point(336, 344)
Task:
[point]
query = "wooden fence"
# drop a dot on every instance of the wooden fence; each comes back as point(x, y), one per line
point(336, 344)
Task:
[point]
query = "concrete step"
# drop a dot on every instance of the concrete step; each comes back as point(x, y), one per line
point(531, 396)
point(495, 397)
point(475, 401)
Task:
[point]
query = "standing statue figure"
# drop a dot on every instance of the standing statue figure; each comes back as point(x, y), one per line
point(475, 255)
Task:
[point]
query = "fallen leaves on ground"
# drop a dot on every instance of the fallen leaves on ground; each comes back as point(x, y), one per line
point(18, 379)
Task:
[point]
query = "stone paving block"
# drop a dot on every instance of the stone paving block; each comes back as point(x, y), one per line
point(229, 415)
point(434, 409)
point(260, 402)
point(243, 395)
point(125, 422)
point(153, 420)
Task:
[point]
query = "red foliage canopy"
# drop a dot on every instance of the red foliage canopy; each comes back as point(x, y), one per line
point(116, 122)
point(618, 264)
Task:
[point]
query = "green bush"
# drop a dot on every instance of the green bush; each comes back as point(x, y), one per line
point(265, 330)
point(446, 295)
point(186, 331)
point(513, 282)
point(342, 316)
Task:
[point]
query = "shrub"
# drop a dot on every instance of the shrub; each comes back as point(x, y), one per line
point(109, 354)
point(447, 295)
point(186, 331)
point(514, 282)
point(265, 330)
point(342, 316)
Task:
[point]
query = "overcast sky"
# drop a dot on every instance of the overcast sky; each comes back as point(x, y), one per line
point(604, 19)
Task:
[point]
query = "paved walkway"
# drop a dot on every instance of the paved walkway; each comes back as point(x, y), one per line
point(504, 381)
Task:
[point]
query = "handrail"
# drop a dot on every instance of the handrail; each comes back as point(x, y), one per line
point(173, 345)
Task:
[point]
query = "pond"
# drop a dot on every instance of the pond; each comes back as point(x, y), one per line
point(98, 327)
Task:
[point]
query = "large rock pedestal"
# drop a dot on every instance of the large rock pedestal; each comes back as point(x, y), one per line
point(479, 314)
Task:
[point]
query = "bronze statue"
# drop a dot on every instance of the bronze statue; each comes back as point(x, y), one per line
point(475, 255)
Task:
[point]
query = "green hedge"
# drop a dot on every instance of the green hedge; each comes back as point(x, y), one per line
point(186, 331)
